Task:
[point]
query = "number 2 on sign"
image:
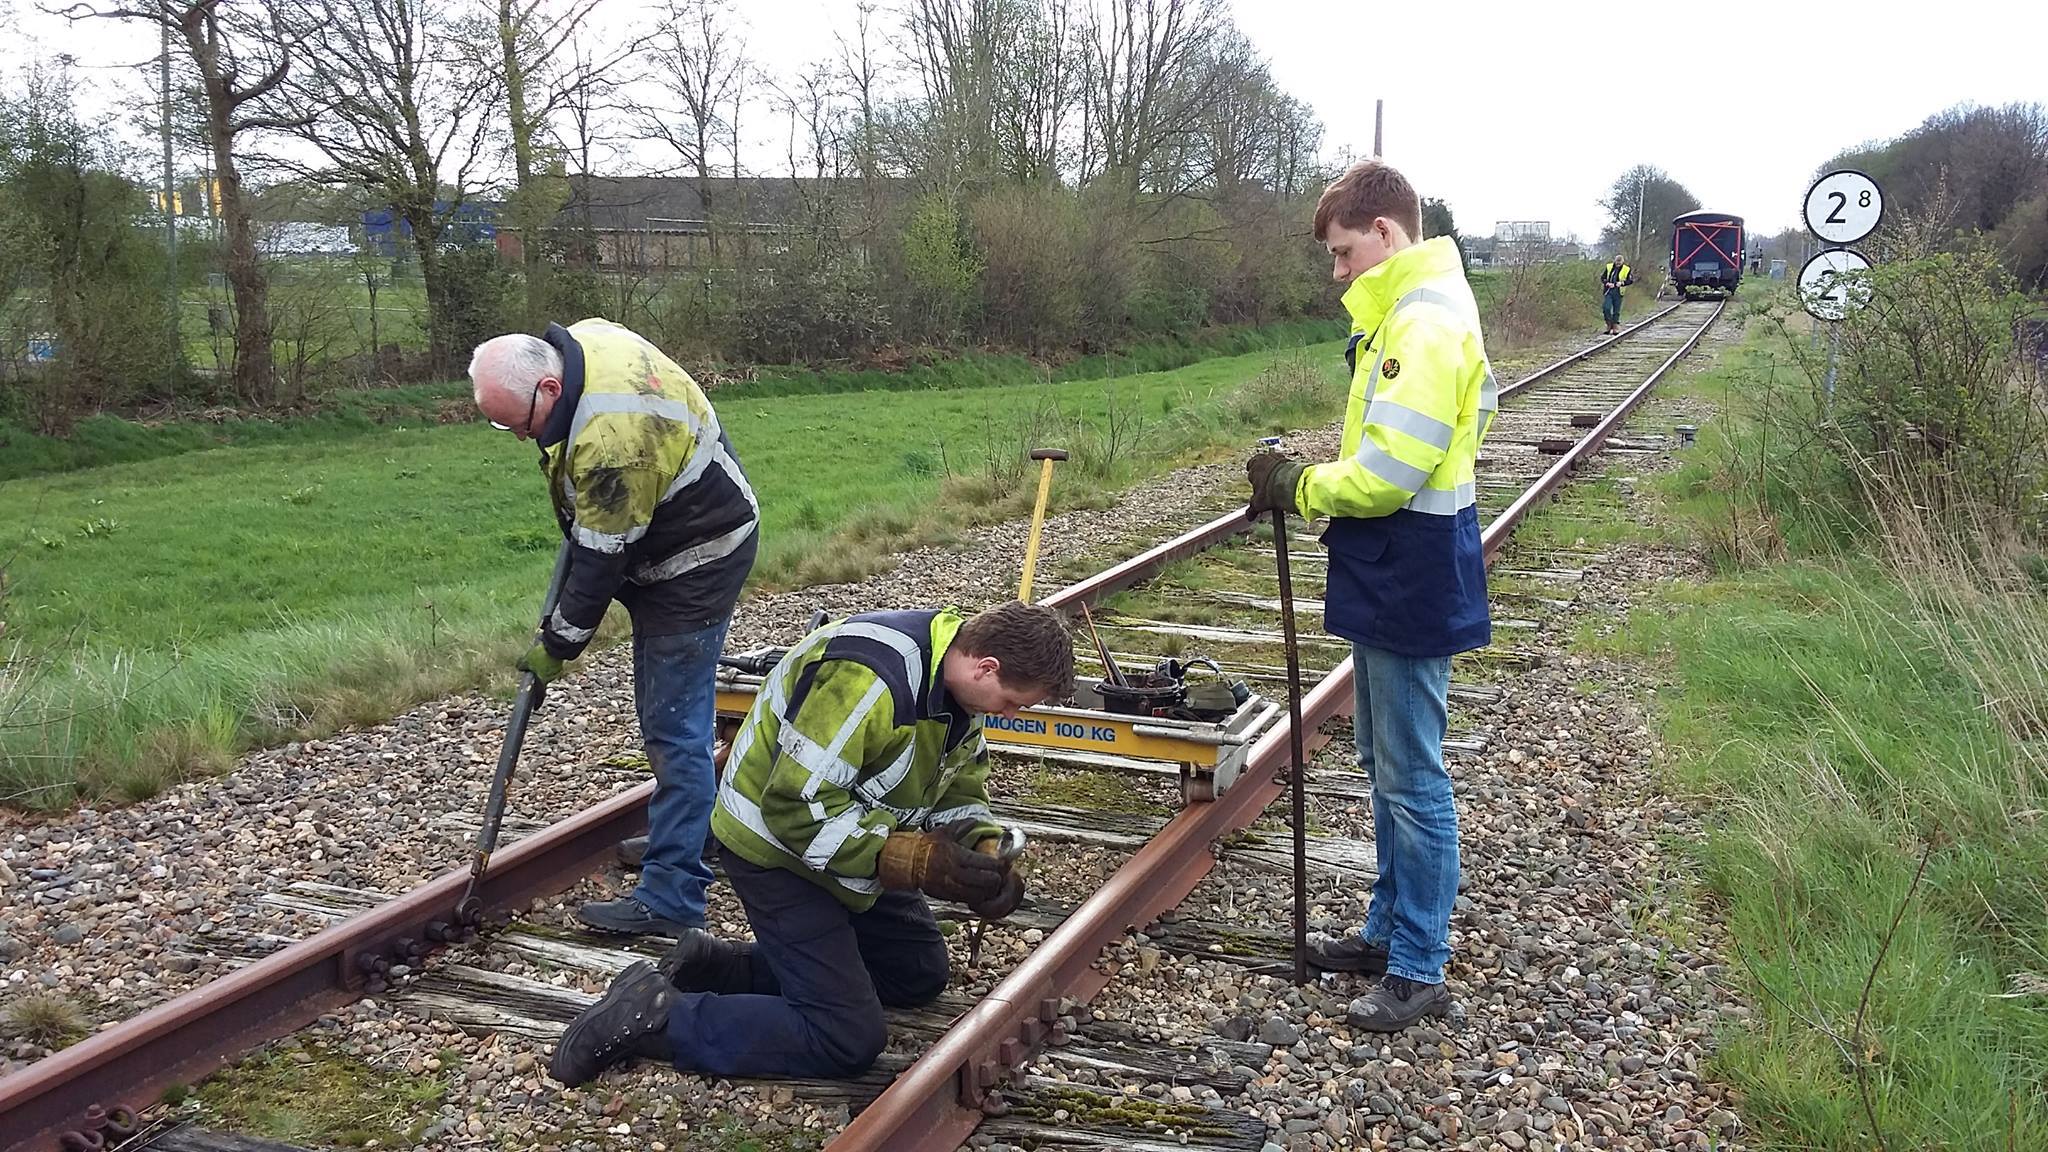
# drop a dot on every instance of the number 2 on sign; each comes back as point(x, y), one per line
point(1842, 201)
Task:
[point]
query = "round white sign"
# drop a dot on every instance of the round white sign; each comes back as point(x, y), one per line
point(1831, 285)
point(1843, 207)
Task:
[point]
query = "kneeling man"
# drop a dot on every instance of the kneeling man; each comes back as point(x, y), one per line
point(855, 788)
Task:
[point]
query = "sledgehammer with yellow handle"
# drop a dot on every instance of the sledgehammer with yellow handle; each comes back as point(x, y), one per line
point(1046, 457)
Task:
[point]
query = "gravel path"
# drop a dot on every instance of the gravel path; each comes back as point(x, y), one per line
point(1589, 985)
point(111, 909)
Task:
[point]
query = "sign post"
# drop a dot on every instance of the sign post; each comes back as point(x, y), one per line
point(1841, 208)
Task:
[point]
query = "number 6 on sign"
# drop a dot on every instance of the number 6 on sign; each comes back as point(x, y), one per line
point(1844, 207)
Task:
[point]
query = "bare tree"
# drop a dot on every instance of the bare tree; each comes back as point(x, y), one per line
point(1039, 92)
point(240, 54)
point(397, 104)
point(1146, 86)
point(860, 71)
point(546, 71)
point(699, 64)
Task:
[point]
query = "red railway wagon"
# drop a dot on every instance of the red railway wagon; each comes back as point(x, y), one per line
point(1706, 252)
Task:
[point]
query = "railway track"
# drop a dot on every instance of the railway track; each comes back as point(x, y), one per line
point(970, 1058)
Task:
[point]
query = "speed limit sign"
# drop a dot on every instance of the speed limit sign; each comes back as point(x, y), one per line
point(1844, 207)
point(1832, 284)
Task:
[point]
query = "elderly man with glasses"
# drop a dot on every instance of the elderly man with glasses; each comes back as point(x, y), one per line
point(660, 517)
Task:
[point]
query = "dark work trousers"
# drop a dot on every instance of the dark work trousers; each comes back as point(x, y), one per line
point(1610, 305)
point(822, 973)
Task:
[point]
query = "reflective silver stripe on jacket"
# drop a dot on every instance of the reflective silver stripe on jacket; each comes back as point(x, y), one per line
point(560, 626)
point(1428, 429)
point(600, 403)
point(1401, 418)
point(1441, 501)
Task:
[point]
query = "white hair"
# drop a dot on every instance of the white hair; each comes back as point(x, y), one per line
point(514, 363)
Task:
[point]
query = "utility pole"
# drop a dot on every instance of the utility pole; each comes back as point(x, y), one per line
point(1642, 182)
point(170, 190)
point(1378, 106)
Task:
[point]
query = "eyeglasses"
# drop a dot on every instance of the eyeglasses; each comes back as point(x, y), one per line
point(530, 406)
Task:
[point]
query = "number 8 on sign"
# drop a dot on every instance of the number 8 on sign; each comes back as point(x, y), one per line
point(1844, 207)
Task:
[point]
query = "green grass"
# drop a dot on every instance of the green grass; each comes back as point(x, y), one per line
point(1837, 715)
point(168, 614)
point(346, 413)
point(313, 1095)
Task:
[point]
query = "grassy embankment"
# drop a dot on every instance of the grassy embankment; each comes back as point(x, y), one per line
point(166, 614)
point(179, 592)
point(1856, 699)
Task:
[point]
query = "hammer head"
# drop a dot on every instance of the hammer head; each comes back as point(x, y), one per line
point(1048, 454)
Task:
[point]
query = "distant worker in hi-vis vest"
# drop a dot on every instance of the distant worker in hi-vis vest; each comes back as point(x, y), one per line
point(1407, 579)
point(1614, 280)
point(659, 517)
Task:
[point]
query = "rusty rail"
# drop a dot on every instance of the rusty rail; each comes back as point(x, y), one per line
point(187, 1037)
point(1503, 525)
point(934, 1105)
point(1592, 349)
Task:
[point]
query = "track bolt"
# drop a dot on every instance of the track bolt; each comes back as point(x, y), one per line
point(1010, 1052)
point(121, 1122)
point(1048, 1009)
point(437, 931)
point(76, 1141)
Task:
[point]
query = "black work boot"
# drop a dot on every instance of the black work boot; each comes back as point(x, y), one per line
point(1347, 954)
point(632, 850)
point(630, 917)
point(701, 962)
point(1397, 1003)
point(630, 1020)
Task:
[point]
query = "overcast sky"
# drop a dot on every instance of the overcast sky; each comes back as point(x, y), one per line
point(1514, 111)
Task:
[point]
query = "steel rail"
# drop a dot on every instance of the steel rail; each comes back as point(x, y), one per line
point(1503, 525)
point(1591, 350)
point(934, 1105)
point(130, 1064)
point(1120, 576)
point(180, 1040)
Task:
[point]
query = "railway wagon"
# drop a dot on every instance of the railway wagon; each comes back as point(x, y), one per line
point(1706, 253)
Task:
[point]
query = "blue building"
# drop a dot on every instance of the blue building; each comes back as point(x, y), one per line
point(387, 234)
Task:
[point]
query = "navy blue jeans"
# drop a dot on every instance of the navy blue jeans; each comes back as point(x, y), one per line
point(1401, 713)
point(1610, 305)
point(821, 974)
point(674, 678)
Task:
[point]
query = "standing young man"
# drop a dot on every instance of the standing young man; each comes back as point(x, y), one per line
point(856, 787)
point(659, 517)
point(1614, 280)
point(1407, 582)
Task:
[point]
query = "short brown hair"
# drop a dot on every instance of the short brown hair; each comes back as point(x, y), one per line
point(1030, 641)
point(1366, 190)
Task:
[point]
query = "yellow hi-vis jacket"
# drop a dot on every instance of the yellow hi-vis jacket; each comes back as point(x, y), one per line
point(646, 487)
point(1419, 409)
point(1617, 277)
point(1407, 574)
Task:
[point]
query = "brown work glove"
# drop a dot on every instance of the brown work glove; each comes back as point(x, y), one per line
point(937, 865)
point(1273, 478)
point(1004, 902)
